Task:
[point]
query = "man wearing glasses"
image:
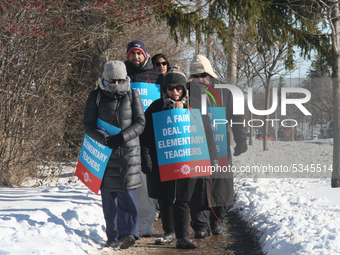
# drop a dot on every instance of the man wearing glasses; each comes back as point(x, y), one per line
point(147, 82)
point(213, 195)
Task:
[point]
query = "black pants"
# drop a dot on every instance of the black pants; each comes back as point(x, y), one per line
point(202, 219)
point(175, 217)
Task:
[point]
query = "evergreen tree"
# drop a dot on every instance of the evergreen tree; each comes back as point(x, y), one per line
point(272, 26)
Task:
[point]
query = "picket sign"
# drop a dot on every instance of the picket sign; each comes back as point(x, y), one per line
point(148, 92)
point(93, 158)
point(220, 134)
point(181, 144)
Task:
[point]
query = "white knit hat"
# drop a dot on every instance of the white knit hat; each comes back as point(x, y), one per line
point(201, 64)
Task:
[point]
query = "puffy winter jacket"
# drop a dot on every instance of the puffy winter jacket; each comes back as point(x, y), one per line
point(180, 189)
point(126, 112)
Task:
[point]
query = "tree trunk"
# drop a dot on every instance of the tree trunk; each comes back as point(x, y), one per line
point(198, 7)
point(209, 40)
point(251, 130)
point(265, 126)
point(232, 62)
point(336, 94)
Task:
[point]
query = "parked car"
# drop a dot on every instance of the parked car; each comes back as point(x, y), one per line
point(248, 135)
point(269, 137)
point(328, 131)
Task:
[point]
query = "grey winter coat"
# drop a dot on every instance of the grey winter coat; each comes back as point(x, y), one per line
point(219, 191)
point(125, 111)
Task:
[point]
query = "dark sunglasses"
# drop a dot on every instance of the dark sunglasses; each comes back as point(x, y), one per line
point(202, 75)
point(160, 63)
point(115, 80)
point(171, 88)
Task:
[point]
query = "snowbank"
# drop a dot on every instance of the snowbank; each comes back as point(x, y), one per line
point(292, 215)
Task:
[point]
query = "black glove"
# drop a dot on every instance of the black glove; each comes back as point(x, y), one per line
point(240, 148)
point(114, 141)
point(146, 161)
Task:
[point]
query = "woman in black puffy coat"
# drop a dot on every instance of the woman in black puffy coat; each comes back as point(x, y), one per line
point(173, 196)
point(115, 103)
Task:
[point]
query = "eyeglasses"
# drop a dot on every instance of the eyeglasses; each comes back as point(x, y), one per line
point(200, 75)
point(171, 88)
point(160, 63)
point(115, 80)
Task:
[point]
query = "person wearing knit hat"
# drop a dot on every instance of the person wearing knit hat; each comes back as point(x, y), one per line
point(174, 90)
point(207, 216)
point(136, 45)
point(175, 76)
point(136, 53)
point(147, 81)
point(173, 196)
point(115, 70)
point(116, 104)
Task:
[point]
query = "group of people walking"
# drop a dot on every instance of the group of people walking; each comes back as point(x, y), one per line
point(131, 187)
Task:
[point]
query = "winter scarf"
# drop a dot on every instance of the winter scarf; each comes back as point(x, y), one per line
point(114, 90)
point(169, 103)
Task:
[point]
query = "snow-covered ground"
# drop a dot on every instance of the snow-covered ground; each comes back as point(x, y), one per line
point(292, 215)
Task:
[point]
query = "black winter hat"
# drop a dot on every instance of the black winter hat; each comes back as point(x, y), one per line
point(175, 76)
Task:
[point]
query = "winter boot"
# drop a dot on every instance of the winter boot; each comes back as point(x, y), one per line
point(165, 239)
point(185, 243)
point(126, 241)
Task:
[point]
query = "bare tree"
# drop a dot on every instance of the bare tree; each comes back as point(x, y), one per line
point(52, 54)
point(266, 64)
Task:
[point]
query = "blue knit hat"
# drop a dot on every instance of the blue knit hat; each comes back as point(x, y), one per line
point(136, 45)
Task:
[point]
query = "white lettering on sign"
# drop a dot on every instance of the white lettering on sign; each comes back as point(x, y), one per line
point(189, 129)
point(182, 153)
point(180, 141)
point(146, 102)
point(171, 131)
point(94, 151)
point(91, 162)
point(181, 118)
point(142, 91)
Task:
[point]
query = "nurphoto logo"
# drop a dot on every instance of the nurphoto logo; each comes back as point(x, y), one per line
point(238, 105)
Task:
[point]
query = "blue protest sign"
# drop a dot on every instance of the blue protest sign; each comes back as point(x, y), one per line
point(148, 92)
point(180, 143)
point(220, 133)
point(109, 129)
point(94, 157)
